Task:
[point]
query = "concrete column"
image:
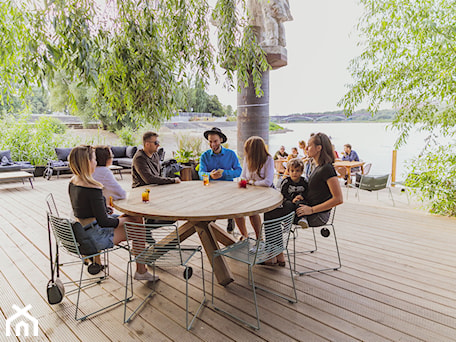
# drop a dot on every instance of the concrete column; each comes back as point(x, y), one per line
point(252, 113)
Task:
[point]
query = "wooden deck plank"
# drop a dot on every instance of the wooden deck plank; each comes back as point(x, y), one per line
point(396, 282)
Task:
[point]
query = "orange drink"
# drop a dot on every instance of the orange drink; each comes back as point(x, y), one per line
point(145, 196)
point(205, 180)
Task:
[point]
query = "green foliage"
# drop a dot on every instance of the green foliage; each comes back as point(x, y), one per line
point(433, 179)
point(135, 54)
point(189, 148)
point(274, 127)
point(35, 102)
point(127, 136)
point(192, 97)
point(33, 142)
point(20, 62)
point(408, 61)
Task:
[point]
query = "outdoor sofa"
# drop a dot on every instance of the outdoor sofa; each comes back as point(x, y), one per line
point(8, 165)
point(123, 156)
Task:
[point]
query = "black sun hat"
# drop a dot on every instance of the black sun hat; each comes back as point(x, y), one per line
point(216, 130)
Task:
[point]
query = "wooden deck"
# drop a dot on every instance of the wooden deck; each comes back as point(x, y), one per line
point(397, 281)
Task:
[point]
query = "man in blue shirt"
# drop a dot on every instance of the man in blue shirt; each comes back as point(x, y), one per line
point(349, 155)
point(219, 163)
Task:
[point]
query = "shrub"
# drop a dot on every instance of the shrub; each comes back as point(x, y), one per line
point(33, 142)
point(433, 179)
point(127, 136)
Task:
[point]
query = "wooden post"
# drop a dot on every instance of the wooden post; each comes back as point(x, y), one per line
point(393, 167)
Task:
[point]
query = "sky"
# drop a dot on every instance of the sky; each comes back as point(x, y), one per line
point(321, 40)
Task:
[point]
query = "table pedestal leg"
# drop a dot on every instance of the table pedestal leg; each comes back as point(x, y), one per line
point(209, 241)
point(221, 235)
point(186, 230)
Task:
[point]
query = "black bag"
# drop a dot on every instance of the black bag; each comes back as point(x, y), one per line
point(55, 289)
point(170, 167)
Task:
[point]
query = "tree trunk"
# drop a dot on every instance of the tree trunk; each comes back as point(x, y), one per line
point(252, 113)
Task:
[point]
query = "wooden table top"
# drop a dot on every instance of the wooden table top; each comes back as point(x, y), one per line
point(15, 174)
point(347, 163)
point(192, 201)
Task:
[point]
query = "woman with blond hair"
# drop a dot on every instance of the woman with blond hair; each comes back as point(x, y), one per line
point(89, 207)
point(258, 170)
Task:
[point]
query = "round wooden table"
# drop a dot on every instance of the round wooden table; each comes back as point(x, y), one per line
point(199, 205)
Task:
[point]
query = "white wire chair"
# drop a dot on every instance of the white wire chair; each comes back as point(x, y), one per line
point(65, 237)
point(252, 252)
point(325, 231)
point(162, 249)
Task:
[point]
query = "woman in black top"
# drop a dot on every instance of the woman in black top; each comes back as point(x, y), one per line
point(89, 207)
point(323, 192)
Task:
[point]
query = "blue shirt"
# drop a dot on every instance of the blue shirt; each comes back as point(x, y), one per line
point(353, 156)
point(226, 160)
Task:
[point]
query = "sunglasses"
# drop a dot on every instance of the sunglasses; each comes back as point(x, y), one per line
point(156, 142)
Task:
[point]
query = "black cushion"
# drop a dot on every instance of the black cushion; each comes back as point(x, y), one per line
point(6, 154)
point(124, 162)
point(9, 168)
point(119, 151)
point(63, 153)
point(131, 150)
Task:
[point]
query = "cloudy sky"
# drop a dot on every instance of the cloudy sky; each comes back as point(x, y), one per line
point(321, 40)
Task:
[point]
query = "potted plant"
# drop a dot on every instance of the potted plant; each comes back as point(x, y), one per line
point(189, 150)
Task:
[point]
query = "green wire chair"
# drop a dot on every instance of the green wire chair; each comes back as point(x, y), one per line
point(372, 183)
point(256, 251)
point(62, 229)
point(163, 249)
point(325, 231)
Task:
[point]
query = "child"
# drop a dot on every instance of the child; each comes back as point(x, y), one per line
point(294, 188)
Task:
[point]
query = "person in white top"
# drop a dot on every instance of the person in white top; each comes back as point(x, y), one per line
point(258, 170)
point(102, 174)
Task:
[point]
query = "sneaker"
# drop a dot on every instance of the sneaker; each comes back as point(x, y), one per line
point(230, 227)
point(146, 276)
point(303, 223)
point(260, 248)
point(95, 268)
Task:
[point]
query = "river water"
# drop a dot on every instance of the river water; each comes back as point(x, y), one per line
point(374, 142)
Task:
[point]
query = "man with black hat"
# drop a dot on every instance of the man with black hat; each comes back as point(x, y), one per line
point(219, 163)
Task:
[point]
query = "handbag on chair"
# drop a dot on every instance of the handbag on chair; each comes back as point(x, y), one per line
point(55, 289)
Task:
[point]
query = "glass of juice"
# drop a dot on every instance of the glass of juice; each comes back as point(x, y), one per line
point(206, 180)
point(145, 196)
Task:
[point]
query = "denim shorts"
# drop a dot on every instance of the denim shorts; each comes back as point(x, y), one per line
point(102, 237)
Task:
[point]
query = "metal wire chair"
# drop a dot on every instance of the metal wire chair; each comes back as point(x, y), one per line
point(62, 229)
point(325, 231)
point(372, 183)
point(163, 249)
point(256, 251)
